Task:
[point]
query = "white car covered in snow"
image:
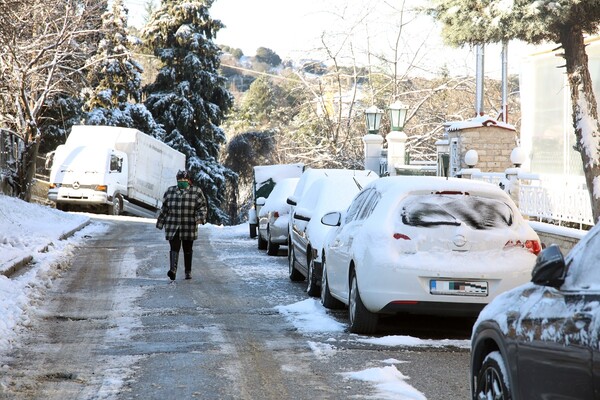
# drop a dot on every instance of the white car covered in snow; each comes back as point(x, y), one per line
point(308, 233)
point(274, 216)
point(424, 245)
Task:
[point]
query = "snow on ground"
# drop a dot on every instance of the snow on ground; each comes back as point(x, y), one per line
point(30, 230)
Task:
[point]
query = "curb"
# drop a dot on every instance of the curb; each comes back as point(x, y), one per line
point(15, 267)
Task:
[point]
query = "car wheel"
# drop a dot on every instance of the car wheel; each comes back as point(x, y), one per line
point(262, 243)
point(312, 288)
point(327, 299)
point(272, 248)
point(253, 228)
point(295, 275)
point(491, 379)
point(361, 319)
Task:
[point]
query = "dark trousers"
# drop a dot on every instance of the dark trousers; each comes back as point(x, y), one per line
point(177, 243)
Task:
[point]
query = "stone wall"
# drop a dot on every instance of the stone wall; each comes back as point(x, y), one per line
point(493, 144)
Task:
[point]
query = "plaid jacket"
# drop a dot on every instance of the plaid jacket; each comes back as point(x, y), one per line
point(182, 210)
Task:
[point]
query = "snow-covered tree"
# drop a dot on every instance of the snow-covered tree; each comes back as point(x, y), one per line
point(565, 22)
point(43, 48)
point(115, 78)
point(189, 97)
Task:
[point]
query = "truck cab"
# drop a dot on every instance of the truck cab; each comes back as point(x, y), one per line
point(88, 177)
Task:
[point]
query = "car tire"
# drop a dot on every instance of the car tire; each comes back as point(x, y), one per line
point(253, 228)
point(491, 379)
point(295, 275)
point(272, 248)
point(262, 243)
point(361, 319)
point(312, 288)
point(327, 299)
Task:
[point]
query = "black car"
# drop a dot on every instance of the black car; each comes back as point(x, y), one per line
point(542, 339)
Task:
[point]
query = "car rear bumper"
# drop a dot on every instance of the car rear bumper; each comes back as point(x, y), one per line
point(408, 288)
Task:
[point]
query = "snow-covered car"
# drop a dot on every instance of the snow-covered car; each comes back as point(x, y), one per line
point(265, 178)
point(424, 245)
point(541, 340)
point(308, 233)
point(274, 216)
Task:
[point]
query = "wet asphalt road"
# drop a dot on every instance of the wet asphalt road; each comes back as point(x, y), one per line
point(113, 326)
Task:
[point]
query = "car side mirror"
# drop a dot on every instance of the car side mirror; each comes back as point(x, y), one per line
point(332, 219)
point(550, 269)
point(302, 214)
point(260, 201)
point(291, 201)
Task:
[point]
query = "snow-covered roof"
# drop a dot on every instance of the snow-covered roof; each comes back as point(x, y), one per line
point(478, 122)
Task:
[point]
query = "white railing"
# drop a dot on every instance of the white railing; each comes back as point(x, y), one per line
point(553, 198)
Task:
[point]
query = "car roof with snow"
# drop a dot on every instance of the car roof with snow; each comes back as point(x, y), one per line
point(430, 184)
point(334, 193)
point(311, 175)
point(277, 199)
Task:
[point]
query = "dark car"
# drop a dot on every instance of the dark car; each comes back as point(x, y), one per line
point(541, 340)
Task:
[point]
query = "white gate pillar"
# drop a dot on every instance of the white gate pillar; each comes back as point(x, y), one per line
point(396, 150)
point(373, 145)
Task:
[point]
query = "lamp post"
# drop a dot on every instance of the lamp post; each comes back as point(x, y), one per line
point(373, 140)
point(398, 112)
point(373, 119)
point(396, 138)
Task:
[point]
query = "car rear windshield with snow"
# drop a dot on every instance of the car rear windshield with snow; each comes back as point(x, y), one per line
point(441, 209)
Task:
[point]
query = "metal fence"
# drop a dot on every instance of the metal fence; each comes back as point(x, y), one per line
point(554, 198)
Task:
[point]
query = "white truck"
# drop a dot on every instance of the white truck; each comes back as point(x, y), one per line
point(113, 170)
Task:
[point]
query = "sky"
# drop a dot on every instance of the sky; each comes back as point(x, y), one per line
point(300, 30)
point(26, 229)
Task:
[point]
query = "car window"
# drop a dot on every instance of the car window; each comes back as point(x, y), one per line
point(356, 204)
point(583, 263)
point(369, 205)
point(441, 209)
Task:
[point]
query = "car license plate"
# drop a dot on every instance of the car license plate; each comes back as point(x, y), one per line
point(460, 288)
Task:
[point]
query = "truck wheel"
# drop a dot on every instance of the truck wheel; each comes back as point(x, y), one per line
point(117, 206)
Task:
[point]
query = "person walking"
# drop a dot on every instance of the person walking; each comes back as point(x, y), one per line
point(183, 208)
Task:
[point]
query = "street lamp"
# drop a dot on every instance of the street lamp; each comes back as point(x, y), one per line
point(373, 116)
point(398, 112)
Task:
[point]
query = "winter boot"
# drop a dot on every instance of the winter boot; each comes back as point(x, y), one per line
point(187, 260)
point(174, 257)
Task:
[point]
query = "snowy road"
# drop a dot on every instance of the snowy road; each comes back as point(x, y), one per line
point(114, 327)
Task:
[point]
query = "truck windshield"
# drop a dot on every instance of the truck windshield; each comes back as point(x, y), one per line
point(87, 160)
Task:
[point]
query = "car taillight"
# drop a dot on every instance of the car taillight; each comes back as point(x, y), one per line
point(276, 214)
point(532, 245)
point(400, 236)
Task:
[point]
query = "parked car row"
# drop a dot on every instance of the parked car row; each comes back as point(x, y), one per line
point(430, 245)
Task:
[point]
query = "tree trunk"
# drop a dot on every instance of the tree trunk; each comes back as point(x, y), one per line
point(585, 111)
point(26, 167)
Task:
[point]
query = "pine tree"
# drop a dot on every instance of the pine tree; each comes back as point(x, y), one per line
point(189, 97)
point(557, 21)
point(115, 79)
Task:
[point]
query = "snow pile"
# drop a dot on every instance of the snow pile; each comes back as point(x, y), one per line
point(389, 382)
point(28, 228)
